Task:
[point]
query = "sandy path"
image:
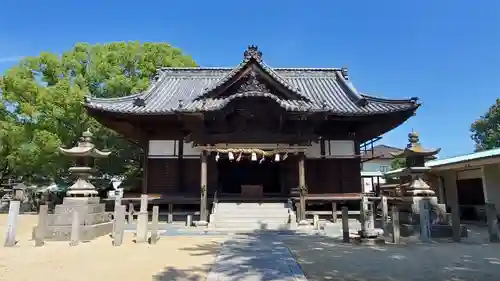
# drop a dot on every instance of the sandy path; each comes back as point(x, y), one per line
point(172, 258)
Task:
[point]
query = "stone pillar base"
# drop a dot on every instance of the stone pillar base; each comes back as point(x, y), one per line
point(94, 221)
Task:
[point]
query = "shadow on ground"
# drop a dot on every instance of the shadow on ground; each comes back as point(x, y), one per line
point(322, 258)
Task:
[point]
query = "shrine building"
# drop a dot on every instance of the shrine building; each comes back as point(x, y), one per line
point(251, 132)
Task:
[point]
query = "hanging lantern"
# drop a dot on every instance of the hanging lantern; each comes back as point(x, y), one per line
point(239, 157)
point(254, 156)
point(231, 156)
point(277, 157)
point(285, 156)
point(217, 157)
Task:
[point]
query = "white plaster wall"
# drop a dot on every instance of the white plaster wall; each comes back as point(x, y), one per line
point(374, 165)
point(333, 149)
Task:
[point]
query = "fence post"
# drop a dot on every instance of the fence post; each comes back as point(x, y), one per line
point(345, 224)
point(41, 228)
point(10, 235)
point(395, 224)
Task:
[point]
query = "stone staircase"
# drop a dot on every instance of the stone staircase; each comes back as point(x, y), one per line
point(251, 216)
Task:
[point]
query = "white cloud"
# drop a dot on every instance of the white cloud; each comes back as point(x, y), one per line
point(10, 59)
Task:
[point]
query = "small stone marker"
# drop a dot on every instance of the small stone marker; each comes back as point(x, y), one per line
point(119, 225)
point(75, 229)
point(491, 216)
point(189, 220)
point(41, 228)
point(130, 213)
point(316, 222)
point(345, 224)
point(10, 235)
point(385, 215)
point(170, 216)
point(425, 220)
point(142, 221)
point(395, 224)
point(154, 225)
point(293, 220)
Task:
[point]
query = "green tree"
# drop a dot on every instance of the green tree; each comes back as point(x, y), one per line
point(486, 130)
point(46, 94)
point(397, 163)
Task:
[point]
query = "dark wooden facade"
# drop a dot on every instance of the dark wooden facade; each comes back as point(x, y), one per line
point(251, 103)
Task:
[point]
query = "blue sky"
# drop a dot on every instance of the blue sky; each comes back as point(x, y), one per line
point(445, 52)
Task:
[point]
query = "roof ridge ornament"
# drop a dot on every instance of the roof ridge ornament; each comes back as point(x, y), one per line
point(252, 52)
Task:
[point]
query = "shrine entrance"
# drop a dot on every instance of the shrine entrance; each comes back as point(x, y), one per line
point(249, 178)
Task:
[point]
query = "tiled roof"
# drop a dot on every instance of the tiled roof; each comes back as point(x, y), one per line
point(188, 89)
point(380, 151)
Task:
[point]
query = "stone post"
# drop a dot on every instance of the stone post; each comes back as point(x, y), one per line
point(154, 225)
point(41, 228)
point(395, 224)
point(142, 221)
point(75, 228)
point(385, 215)
point(345, 225)
point(170, 216)
point(491, 216)
point(425, 219)
point(316, 222)
point(293, 220)
point(334, 212)
point(10, 235)
point(119, 225)
point(130, 213)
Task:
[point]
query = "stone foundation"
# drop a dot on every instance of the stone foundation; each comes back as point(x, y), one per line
point(94, 221)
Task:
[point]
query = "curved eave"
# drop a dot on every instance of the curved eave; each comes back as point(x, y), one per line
point(297, 106)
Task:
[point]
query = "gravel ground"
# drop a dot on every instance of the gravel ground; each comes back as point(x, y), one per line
point(324, 258)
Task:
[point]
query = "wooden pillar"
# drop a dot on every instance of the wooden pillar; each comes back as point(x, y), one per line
point(455, 210)
point(203, 183)
point(302, 185)
point(180, 164)
point(145, 150)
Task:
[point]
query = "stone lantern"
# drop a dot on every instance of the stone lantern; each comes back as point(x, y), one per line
point(414, 170)
point(414, 188)
point(81, 197)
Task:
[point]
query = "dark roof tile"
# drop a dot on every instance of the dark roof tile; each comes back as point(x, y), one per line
point(320, 89)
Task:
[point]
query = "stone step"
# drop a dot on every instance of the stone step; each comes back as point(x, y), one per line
point(233, 206)
point(249, 225)
point(254, 214)
point(251, 219)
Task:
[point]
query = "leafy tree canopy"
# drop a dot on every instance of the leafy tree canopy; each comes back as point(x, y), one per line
point(41, 105)
point(486, 130)
point(397, 163)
